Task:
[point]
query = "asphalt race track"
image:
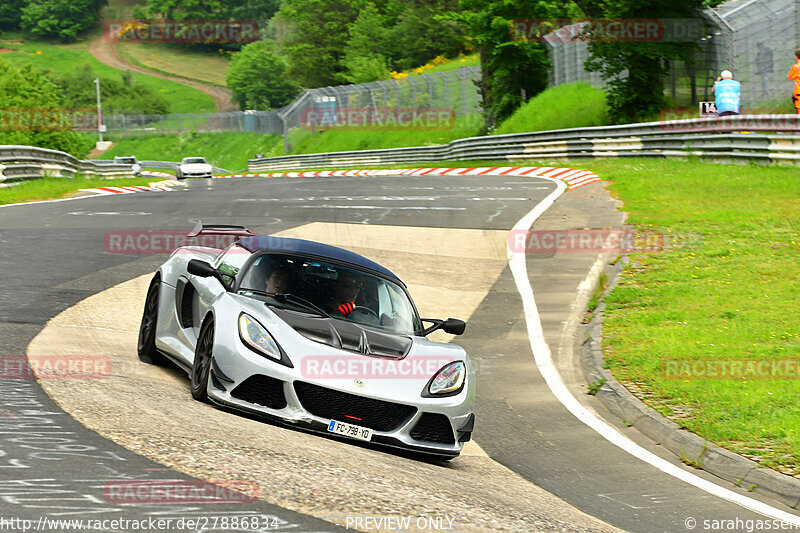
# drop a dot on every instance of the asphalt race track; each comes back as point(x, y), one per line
point(446, 233)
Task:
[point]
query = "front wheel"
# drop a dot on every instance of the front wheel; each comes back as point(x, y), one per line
point(146, 347)
point(202, 362)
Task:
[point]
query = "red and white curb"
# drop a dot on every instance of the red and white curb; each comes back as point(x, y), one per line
point(157, 174)
point(165, 185)
point(573, 177)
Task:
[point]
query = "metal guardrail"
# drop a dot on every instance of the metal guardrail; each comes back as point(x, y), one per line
point(29, 162)
point(161, 165)
point(720, 138)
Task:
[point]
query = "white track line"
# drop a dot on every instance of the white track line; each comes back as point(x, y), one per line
point(544, 362)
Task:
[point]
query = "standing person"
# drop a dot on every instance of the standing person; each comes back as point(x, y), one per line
point(794, 75)
point(764, 68)
point(727, 94)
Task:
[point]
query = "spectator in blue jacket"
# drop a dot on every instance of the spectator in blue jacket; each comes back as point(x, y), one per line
point(727, 94)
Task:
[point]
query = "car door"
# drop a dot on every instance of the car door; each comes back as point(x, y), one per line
point(208, 290)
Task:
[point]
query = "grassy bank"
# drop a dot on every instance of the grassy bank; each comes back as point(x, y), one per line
point(64, 58)
point(225, 150)
point(55, 188)
point(725, 290)
point(572, 105)
point(303, 141)
point(174, 60)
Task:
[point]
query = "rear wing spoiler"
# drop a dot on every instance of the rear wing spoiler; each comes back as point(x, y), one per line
point(219, 229)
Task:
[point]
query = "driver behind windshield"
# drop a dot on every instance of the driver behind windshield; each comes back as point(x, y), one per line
point(343, 297)
point(278, 280)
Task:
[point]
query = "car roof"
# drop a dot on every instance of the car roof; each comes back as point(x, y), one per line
point(301, 246)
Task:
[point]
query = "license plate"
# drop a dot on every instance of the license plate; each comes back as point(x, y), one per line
point(350, 430)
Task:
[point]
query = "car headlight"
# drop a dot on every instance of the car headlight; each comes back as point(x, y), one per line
point(256, 337)
point(449, 379)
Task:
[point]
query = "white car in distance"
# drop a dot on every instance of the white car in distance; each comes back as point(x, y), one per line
point(193, 167)
point(136, 168)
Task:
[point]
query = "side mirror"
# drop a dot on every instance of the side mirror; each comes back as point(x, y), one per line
point(452, 326)
point(202, 269)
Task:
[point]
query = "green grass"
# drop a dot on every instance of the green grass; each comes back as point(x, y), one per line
point(572, 105)
point(54, 188)
point(303, 141)
point(63, 58)
point(725, 289)
point(174, 60)
point(225, 150)
point(453, 64)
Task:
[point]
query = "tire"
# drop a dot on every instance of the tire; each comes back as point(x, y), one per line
point(201, 367)
point(146, 346)
point(178, 174)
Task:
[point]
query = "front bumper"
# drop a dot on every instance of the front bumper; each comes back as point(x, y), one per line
point(242, 380)
point(195, 174)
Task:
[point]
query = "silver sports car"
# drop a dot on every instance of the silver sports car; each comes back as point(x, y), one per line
point(312, 335)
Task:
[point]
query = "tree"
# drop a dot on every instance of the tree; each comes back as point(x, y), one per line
point(362, 56)
point(257, 78)
point(421, 35)
point(509, 67)
point(60, 19)
point(27, 92)
point(10, 14)
point(260, 10)
point(635, 71)
point(312, 34)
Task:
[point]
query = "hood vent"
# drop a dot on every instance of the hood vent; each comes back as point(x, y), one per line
point(346, 335)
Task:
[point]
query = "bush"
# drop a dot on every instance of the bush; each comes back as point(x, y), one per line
point(60, 19)
point(26, 89)
point(257, 78)
point(122, 96)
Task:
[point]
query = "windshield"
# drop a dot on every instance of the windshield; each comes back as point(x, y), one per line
point(341, 292)
point(190, 160)
point(129, 160)
point(231, 260)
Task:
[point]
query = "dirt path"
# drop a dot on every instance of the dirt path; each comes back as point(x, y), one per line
point(103, 51)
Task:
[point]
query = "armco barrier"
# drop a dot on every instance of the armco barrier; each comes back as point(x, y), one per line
point(760, 138)
point(28, 162)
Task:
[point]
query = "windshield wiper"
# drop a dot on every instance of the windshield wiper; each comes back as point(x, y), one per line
point(289, 297)
point(292, 298)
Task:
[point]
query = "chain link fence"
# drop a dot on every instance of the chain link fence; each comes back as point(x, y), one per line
point(455, 92)
point(135, 125)
point(754, 39)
